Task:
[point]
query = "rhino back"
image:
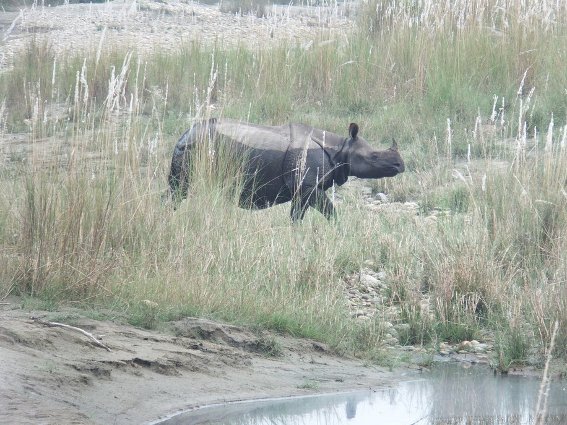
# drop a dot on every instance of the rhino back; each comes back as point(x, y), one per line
point(254, 136)
point(263, 149)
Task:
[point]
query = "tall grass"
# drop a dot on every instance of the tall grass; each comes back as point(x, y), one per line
point(473, 91)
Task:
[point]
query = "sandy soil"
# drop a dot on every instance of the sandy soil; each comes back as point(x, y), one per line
point(55, 375)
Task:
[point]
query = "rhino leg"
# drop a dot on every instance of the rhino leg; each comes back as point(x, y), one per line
point(325, 206)
point(311, 197)
point(298, 209)
point(178, 178)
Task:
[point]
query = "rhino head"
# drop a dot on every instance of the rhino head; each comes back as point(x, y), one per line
point(366, 162)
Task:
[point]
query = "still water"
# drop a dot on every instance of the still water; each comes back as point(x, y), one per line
point(449, 394)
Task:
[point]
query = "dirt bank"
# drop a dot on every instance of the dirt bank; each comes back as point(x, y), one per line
point(58, 375)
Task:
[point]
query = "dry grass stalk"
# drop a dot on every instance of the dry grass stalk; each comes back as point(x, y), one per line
point(541, 406)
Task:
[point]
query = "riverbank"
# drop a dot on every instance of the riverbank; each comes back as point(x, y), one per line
point(59, 375)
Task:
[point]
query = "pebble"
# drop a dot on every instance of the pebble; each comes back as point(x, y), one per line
point(368, 294)
point(402, 328)
point(390, 340)
point(381, 275)
point(369, 281)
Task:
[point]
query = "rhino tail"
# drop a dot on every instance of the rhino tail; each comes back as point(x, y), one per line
point(178, 173)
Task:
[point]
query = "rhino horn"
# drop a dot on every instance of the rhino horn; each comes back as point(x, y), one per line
point(353, 130)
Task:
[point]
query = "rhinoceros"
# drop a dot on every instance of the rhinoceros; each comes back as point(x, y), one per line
point(292, 162)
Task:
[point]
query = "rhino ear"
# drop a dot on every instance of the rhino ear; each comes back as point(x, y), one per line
point(394, 145)
point(353, 130)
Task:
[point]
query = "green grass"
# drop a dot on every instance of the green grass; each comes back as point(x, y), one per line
point(486, 244)
point(309, 385)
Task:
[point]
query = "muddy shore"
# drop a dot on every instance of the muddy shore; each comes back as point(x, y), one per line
point(59, 375)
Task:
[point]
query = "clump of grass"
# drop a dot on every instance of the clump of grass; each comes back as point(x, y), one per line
point(258, 8)
point(309, 385)
point(145, 314)
point(76, 253)
point(419, 329)
point(511, 348)
point(365, 337)
point(269, 346)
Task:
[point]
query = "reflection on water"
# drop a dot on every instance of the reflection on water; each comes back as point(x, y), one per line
point(447, 395)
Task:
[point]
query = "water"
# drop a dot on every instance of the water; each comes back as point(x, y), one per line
point(449, 394)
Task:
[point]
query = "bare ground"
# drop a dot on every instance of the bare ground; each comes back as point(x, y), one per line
point(57, 375)
point(149, 26)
